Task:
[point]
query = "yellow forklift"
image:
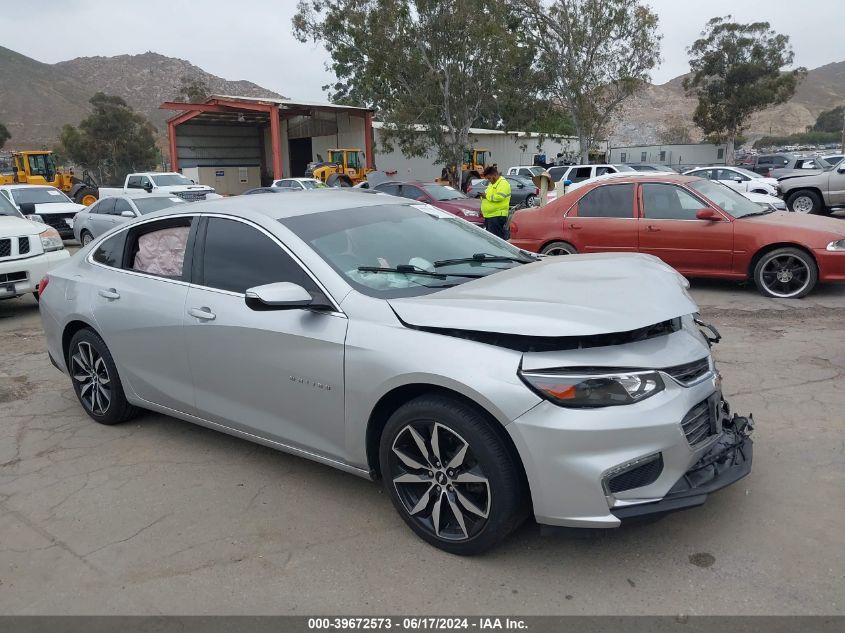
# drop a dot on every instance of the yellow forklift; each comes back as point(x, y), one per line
point(38, 167)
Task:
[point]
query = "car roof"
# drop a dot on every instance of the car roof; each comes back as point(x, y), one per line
point(27, 186)
point(296, 203)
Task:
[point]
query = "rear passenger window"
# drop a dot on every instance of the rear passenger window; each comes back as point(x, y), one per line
point(608, 201)
point(110, 251)
point(238, 256)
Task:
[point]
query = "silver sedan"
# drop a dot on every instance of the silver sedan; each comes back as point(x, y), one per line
point(395, 341)
point(107, 213)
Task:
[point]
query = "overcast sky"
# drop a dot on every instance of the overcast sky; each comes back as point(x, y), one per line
point(252, 39)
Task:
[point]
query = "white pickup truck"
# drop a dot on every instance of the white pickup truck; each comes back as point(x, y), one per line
point(161, 182)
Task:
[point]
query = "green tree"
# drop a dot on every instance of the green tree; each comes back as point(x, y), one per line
point(594, 54)
point(431, 69)
point(113, 140)
point(827, 121)
point(193, 90)
point(5, 135)
point(737, 71)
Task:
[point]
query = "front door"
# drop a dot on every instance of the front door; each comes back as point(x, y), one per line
point(603, 220)
point(669, 229)
point(274, 373)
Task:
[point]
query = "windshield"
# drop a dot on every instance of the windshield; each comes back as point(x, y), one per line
point(39, 195)
point(149, 204)
point(168, 180)
point(725, 197)
point(7, 208)
point(443, 192)
point(312, 184)
point(624, 168)
point(393, 235)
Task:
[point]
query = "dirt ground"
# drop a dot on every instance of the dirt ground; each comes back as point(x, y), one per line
point(160, 516)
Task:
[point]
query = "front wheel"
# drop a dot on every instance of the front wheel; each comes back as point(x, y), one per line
point(85, 237)
point(450, 476)
point(805, 202)
point(786, 273)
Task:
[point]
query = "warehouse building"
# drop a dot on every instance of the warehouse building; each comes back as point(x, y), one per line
point(236, 143)
point(681, 156)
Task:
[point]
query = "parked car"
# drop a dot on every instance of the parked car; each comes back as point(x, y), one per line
point(577, 173)
point(161, 182)
point(28, 251)
point(766, 201)
point(833, 159)
point(107, 213)
point(250, 192)
point(764, 163)
point(737, 178)
point(799, 165)
point(700, 227)
point(299, 184)
point(393, 340)
point(523, 190)
point(818, 192)
point(48, 204)
point(443, 197)
point(529, 171)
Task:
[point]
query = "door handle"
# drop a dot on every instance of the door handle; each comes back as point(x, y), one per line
point(653, 228)
point(203, 314)
point(575, 227)
point(110, 293)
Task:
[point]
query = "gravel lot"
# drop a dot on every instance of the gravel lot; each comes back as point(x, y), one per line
point(160, 516)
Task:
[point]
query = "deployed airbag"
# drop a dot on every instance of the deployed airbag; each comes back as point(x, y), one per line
point(162, 252)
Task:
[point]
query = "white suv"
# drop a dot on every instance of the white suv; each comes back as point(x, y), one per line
point(28, 250)
point(579, 173)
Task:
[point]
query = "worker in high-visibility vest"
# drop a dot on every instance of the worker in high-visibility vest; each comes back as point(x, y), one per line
point(496, 202)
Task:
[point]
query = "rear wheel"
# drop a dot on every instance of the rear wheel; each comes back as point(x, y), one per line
point(805, 202)
point(786, 273)
point(96, 381)
point(450, 476)
point(85, 237)
point(559, 248)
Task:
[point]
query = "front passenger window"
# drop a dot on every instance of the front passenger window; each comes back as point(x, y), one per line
point(669, 202)
point(238, 256)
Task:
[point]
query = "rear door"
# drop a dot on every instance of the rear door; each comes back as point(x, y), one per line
point(274, 373)
point(669, 230)
point(120, 206)
point(603, 220)
point(732, 179)
point(100, 216)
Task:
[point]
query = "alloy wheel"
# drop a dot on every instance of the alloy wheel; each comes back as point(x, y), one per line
point(89, 371)
point(785, 275)
point(439, 481)
point(86, 238)
point(803, 204)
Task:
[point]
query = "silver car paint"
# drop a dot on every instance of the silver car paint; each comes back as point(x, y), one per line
point(379, 355)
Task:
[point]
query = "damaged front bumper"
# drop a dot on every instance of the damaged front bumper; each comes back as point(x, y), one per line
point(726, 462)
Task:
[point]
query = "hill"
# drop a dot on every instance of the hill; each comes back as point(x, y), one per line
point(644, 116)
point(37, 98)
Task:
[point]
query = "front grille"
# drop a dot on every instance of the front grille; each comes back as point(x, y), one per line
point(191, 196)
point(700, 422)
point(57, 221)
point(9, 277)
point(688, 373)
point(23, 245)
point(640, 475)
point(5, 248)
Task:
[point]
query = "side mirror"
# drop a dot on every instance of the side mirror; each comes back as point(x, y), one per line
point(148, 187)
point(27, 208)
point(127, 214)
point(708, 214)
point(278, 296)
point(842, 166)
point(737, 179)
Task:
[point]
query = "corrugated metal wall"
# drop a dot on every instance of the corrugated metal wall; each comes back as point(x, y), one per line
point(218, 145)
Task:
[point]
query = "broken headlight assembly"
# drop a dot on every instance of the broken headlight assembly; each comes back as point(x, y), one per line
point(580, 388)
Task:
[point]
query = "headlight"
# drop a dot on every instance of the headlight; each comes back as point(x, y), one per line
point(51, 240)
point(838, 245)
point(574, 388)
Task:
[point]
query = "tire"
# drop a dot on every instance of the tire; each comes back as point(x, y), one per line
point(481, 480)
point(85, 237)
point(86, 196)
point(88, 357)
point(806, 202)
point(786, 273)
point(37, 297)
point(559, 248)
point(531, 201)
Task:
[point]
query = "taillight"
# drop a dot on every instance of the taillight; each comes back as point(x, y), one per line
point(42, 285)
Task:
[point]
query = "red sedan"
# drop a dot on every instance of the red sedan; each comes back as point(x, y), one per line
point(443, 197)
point(700, 227)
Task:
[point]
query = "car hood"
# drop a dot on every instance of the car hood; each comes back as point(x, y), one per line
point(786, 220)
point(58, 207)
point(462, 204)
point(798, 173)
point(576, 295)
point(14, 227)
